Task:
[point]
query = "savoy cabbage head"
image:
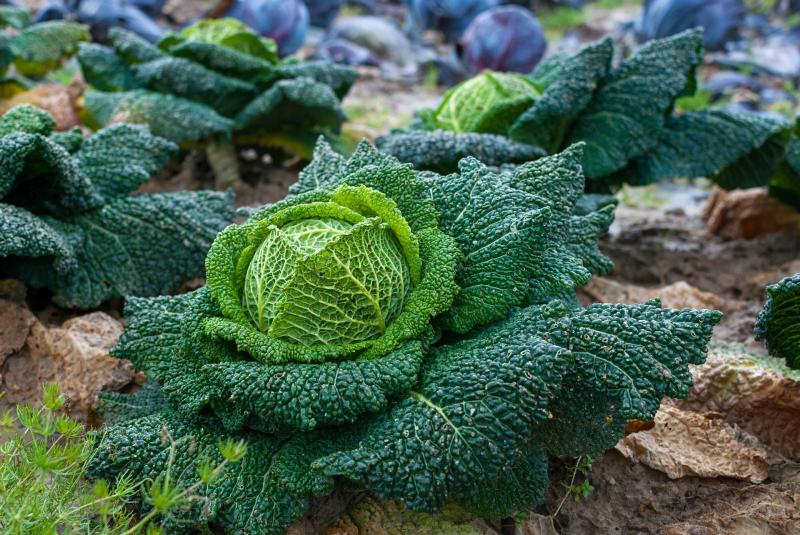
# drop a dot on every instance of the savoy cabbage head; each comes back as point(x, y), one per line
point(623, 114)
point(68, 224)
point(414, 333)
point(778, 324)
point(213, 81)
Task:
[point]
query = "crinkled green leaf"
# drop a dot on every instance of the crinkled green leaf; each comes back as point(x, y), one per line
point(275, 398)
point(40, 175)
point(625, 119)
point(104, 69)
point(246, 498)
point(736, 149)
point(569, 84)
point(501, 230)
point(223, 60)
point(27, 235)
point(14, 17)
point(115, 407)
point(122, 157)
point(338, 77)
point(514, 490)
point(187, 79)
point(441, 151)
point(785, 184)
point(145, 245)
point(570, 256)
point(466, 423)
point(299, 102)
point(170, 117)
point(779, 322)
point(70, 140)
point(41, 47)
point(132, 48)
point(640, 352)
point(26, 119)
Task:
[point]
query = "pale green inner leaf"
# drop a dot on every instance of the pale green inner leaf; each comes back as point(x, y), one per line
point(348, 291)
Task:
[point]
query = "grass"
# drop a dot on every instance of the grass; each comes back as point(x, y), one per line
point(43, 458)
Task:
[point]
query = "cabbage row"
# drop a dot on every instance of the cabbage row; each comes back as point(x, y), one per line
point(624, 115)
point(413, 333)
point(212, 81)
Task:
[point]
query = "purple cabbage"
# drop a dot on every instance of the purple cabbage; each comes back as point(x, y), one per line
point(102, 15)
point(721, 20)
point(322, 12)
point(451, 17)
point(285, 21)
point(507, 38)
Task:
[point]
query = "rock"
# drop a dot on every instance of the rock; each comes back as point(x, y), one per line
point(536, 524)
point(749, 213)
point(757, 393)
point(74, 355)
point(685, 443)
point(15, 324)
point(633, 498)
point(377, 34)
point(677, 295)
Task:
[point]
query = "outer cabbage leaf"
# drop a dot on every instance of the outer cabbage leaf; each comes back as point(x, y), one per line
point(625, 119)
point(115, 407)
point(14, 17)
point(570, 83)
point(296, 103)
point(779, 322)
point(247, 497)
point(468, 421)
point(223, 60)
point(132, 48)
point(41, 47)
point(737, 150)
point(441, 150)
point(338, 77)
point(187, 79)
point(483, 402)
point(209, 72)
point(119, 159)
point(38, 174)
point(144, 245)
point(785, 185)
point(104, 69)
point(170, 117)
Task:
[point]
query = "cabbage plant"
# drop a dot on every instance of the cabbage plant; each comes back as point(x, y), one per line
point(68, 223)
point(414, 334)
point(33, 50)
point(215, 84)
point(778, 324)
point(623, 114)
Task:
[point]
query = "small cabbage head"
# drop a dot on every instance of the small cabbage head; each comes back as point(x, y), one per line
point(227, 32)
point(324, 273)
point(486, 103)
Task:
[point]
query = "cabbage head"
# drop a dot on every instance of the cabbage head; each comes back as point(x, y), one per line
point(486, 103)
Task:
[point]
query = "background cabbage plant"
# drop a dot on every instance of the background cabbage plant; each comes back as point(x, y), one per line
point(625, 115)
